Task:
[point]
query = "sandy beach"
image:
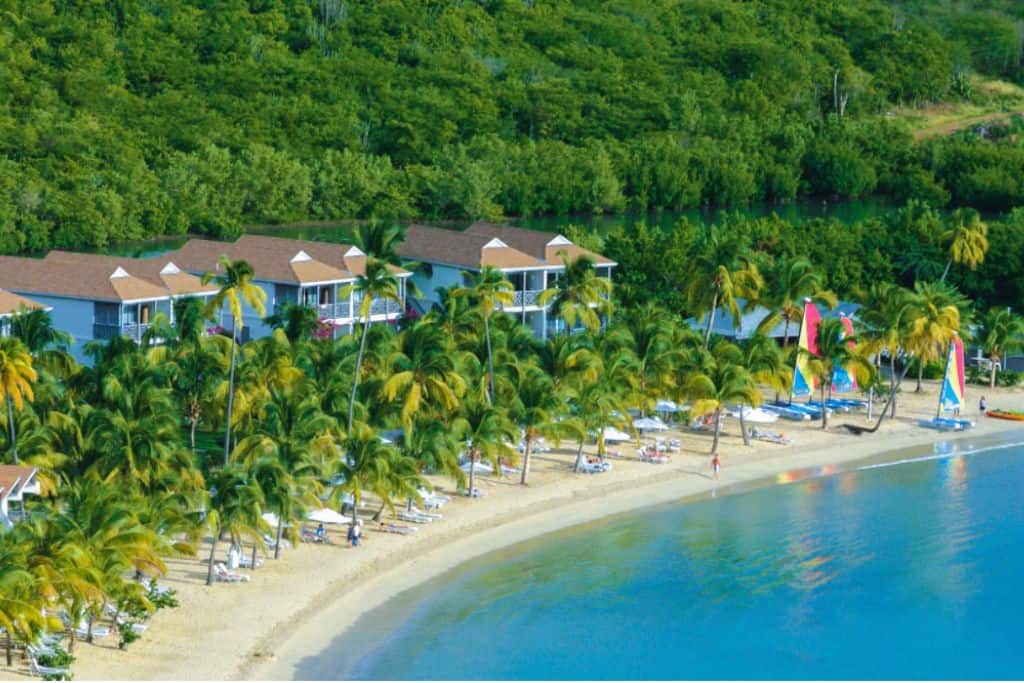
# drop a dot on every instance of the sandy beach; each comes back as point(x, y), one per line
point(294, 607)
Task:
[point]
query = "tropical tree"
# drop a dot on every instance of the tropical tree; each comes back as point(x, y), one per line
point(967, 236)
point(488, 434)
point(538, 408)
point(16, 378)
point(299, 321)
point(657, 350)
point(234, 507)
point(722, 274)
point(935, 314)
point(720, 378)
point(377, 282)
point(433, 446)
point(47, 344)
point(235, 285)
point(491, 291)
point(21, 604)
point(766, 362)
point(835, 349)
point(423, 373)
point(1000, 332)
point(580, 295)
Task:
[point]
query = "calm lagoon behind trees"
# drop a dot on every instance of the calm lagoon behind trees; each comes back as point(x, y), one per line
point(905, 571)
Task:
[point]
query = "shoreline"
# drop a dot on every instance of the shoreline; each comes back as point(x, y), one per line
point(296, 606)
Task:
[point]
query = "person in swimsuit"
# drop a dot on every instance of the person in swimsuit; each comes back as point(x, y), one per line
point(716, 464)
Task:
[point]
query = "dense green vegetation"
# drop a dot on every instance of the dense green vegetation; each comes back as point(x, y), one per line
point(126, 119)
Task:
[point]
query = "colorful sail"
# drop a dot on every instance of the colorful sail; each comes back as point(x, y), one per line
point(953, 384)
point(843, 378)
point(804, 382)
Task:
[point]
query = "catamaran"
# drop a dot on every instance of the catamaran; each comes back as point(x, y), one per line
point(951, 397)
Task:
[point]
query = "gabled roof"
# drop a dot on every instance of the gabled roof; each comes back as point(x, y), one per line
point(81, 277)
point(271, 259)
point(346, 257)
point(462, 249)
point(160, 271)
point(14, 478)
point(11, 303)
point(547, 246)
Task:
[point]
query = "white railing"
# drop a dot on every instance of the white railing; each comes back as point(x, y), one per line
point(527, 298)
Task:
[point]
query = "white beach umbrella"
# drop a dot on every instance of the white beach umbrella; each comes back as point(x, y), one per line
point(650, 424)
point(270, 518)
point(612, 435)
point(666, 406)
point(755, 415)
point(328, 516)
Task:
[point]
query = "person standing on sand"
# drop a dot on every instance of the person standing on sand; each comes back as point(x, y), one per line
point(716, 464)
point(355, 532)
point(982, 405)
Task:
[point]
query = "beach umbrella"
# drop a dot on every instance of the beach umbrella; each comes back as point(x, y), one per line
point(755, 415)
point(611, 435)
point(666, 406)
point(328, 516)
point(270, 518)
point(650, 424)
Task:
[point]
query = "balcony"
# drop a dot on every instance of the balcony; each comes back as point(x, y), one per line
point(385, 307)
point(527, 298)
point(107, 331)
point(335, 311)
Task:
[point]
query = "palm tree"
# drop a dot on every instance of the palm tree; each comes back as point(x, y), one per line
point(487, 431)
point(720, 378)
point(967, 236)
point(47, 344)
point(16, 378)
point(235, 285)
point(377, 282)
point(766, 362)
point(299, 321)
point(491, 290)
point(723, 272)
point(234, 508)
point(432, 445)
point(423, 373)
point(935, 313)
point(538, 408)
point(1000, 332)
point(21, 604)
point(835, 350)
point(657, 351)
point(580, 295)
point(788, 284)
point(365, 464)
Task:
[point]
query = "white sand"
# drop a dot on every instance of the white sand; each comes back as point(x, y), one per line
point(295, 607)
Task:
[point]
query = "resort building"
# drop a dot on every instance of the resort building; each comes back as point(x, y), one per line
point(746, 326)
point(94, 297)
point(15, 483)
point(10, 304)
point(532, 260)
point(296, 272)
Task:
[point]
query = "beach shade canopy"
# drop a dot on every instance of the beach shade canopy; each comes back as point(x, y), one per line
point(755, 415)
point(650, 424)
point(666, 406)
point(328, 516)
point(611, 435)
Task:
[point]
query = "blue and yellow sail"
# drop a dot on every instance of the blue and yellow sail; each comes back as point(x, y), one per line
point(953, 384)
point(804, 381)
point(844, 378)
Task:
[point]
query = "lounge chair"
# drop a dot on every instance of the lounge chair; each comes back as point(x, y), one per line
point(769, 436)
point(433, 515)
point(407, 516)
point(39, 650)
point(40, 670)
point(272, 544)
point(245, 562)
point(82, 630)
point(224, 574)
point(592, 467)
point(392, 528)
point(653, 456)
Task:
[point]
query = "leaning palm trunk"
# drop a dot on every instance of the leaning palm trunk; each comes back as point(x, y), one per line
point(824, 403)
point(193, 422)
point(893, 384)
point(213, 552)
point(14, 435)
point(718, 426)
point(526, 460)
point(743, 426)
point(277, 536)
point(785, 345)
point(253, 564)
point(380, 510)
point(579, 458)
point(991, 385)
point(231, 396)
point(490, 358)
point(9, 646)
point(472, 472)
point(355, 377)
point(711, 318)
point(945, 272)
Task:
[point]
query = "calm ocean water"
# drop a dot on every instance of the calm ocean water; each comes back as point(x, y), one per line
point(905, 571)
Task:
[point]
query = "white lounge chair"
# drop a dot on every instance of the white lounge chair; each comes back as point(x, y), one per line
point(407, 516)
point(82, 629)
point(224, 574)
point(588, 467)
point(40, 670)
point(392, 528)
point(433, 515)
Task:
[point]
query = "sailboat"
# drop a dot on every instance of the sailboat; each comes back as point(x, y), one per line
point(951, 397)
point(804, 381)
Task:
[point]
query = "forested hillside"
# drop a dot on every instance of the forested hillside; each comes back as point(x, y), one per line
point(122, 119)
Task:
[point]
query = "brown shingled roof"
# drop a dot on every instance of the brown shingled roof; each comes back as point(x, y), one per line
point(535, 242)
point(79, 278)
point(157, 270)
point(345, 256)
point(465, 250)
point(274, 259)
point(11, 303)
point(14, 477)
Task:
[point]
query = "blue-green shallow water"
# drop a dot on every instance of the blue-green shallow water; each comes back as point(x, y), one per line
point(906, 571)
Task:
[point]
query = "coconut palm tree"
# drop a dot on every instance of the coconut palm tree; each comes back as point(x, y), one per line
point(364, 465)
point(235, 285)
point(835, 350)
point(16, 378)
point(652, 332)
point(967, 236)
point(21, 604)
point(935, 312)
point(47, 344)
point(423, 373)
point(580, 295)
point(491, 291)
point(377, 282)
point(766, 362)
point(234, 506)
point(538, 408)
point(723, 273)
point(432, 445)
point(1000, 332)
point(488, 433)
point(720, 378)
point(299, 321)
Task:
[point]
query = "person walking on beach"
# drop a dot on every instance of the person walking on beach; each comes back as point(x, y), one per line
point(982, 405)
point(355, 532)
point(716, 464)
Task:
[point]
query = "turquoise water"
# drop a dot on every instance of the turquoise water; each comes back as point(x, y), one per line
point(905, 571)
